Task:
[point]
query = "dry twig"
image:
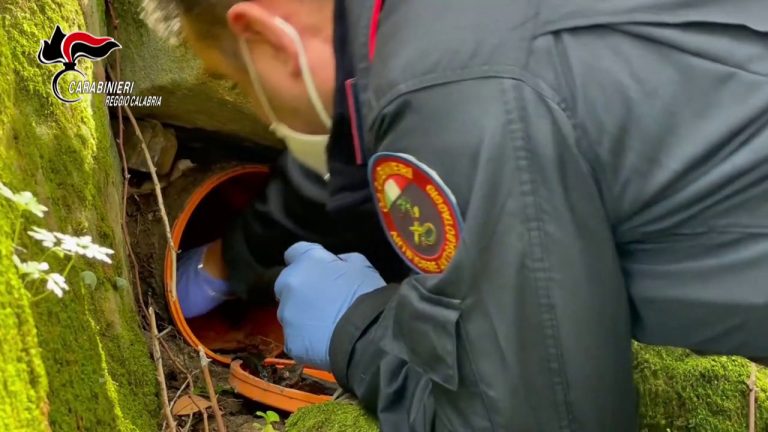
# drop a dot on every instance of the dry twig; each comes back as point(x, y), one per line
point(205, 413)
point(181, 389)
point(155, 180)
point(752, 398)
point(189, 423)
point(160, 202)
point(160, 374)
point(173, 358)
point(211, 391)
point(165, 332)
point(126, 174)
point(187, 382)
point(205, 421)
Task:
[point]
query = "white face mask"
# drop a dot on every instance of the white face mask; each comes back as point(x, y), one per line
point(307, 149)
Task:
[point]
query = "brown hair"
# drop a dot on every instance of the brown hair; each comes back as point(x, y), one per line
point(211, 12)
point(164, 16)
point(207, 17)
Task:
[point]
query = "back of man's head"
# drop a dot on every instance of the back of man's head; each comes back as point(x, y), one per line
point(165, 16)
point(287, 44)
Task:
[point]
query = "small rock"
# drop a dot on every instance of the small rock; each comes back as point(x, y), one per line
point(180, 167)
point(161, 144)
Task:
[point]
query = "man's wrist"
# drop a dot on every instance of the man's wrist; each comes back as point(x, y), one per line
point(213, 261)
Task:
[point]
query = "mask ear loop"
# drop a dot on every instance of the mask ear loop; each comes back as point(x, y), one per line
point(246, 54)
point(314, 97)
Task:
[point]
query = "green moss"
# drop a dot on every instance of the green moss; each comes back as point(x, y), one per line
point(23, 381)
point(176, 74)
point(79, 363)
point(680, 391)
point(331, 417)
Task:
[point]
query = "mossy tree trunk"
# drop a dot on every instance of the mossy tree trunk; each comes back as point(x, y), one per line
point(79, 363)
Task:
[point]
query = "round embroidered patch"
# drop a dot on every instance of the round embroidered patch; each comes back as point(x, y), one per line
point(417, 210)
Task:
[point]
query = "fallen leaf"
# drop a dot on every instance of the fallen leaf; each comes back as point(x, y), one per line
point(189, 404)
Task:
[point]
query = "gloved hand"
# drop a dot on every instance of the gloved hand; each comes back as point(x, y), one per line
point(198, 292)
point(314, 291)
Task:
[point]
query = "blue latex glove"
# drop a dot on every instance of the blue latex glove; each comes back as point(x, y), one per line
point(314, 291)
point(198, 292)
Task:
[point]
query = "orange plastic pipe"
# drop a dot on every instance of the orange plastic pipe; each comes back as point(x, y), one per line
point(176, 232)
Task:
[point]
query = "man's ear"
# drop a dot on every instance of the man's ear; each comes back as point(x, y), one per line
point(250, 21)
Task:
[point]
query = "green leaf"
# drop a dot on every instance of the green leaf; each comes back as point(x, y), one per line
point(272, 417)
point(89, 279)
point(122, 284)
point(264, 428)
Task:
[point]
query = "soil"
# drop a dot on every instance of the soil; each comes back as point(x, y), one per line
point(239, 413)
point(259, 347)
point(290, 376)
point(181, 361)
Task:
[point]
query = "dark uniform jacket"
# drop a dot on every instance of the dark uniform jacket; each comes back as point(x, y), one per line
point(610, 164)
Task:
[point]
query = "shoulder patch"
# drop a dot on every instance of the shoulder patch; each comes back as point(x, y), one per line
point(417, 210)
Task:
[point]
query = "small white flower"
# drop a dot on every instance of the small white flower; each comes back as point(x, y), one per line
point(100, 253)
point(68, 243)
point(47, 238)
point(4, 191)
point(31, 269)
point(24, 200)
point(72, 245)
point(57, 284)
point(84, 246)
point(30, 203)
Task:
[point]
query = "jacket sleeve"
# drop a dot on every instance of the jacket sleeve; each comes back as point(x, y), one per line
point(528, 329)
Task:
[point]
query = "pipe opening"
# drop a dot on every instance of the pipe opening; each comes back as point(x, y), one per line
point(202, 207)
point(234, 326)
